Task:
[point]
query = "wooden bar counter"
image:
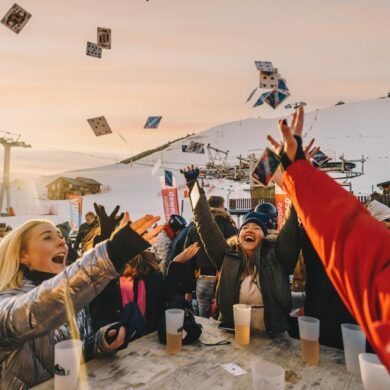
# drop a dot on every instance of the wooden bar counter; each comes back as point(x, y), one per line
point(145, 364)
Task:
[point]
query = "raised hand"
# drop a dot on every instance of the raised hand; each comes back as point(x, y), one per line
point(292, 138)
point(187, 254)
point(141, 226)
point(191, 173)
point(107, 223)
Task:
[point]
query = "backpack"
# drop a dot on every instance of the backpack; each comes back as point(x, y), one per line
point(192, 329)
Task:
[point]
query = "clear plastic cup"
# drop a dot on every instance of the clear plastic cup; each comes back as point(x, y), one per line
point(242, 323)
point(67, 359)
point(309, 333)
point(267, 376)
point(174, 326)
point(374, 373)
point(354, 342)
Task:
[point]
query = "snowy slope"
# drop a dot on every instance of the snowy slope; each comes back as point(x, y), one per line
point(351, 129)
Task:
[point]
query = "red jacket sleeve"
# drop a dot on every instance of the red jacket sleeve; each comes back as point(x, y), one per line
point(353, 246)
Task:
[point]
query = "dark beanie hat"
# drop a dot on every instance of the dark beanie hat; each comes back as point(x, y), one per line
point(259, 219)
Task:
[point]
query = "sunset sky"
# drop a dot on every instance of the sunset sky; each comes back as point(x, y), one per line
point(190, 61)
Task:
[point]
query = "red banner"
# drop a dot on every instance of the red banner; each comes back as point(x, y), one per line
point(170, 201)
point(282, 203)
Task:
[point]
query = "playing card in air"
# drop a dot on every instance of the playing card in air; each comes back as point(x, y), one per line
point(93, 50)
point(264, 66)
point(104, 38)
point(251, 95)
point(276, 98)
point(269, 80)
point(152, 122)
point(16, 18)
point(99, 126)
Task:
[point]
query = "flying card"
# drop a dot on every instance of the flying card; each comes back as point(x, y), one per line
point(319, 158)
point(264, 66)
point(104, 38)
point(261, 99)
point(282, 85)
point(93, 50)
point(16, 18)
point(275, 98)
point(251, 95)
point(152, 122)
point(193, 147)
point(99, 126)
point(269, 80)
point(156, 166)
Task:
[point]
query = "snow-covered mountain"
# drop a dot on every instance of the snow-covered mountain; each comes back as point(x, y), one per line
point(353, 129)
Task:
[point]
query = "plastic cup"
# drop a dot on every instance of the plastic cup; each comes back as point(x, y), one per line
point(242, 323)
point(374, 374)
point(354, 343)
point(267, 376)
point(309, 333)
point(174, 323)
point(67, 359)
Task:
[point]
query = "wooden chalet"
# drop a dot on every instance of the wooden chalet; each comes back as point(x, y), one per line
point(60, 188)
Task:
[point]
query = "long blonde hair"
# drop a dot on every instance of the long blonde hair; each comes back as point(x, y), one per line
point(11, 272)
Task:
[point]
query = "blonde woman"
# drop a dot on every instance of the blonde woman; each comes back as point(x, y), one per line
point(34, 284)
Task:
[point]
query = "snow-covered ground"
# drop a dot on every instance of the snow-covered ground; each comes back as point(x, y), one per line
point(354, 130)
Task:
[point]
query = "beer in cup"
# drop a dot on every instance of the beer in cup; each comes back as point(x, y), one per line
point(309, 332)
point(174, 323)
point(67, 359)
point(242, 323)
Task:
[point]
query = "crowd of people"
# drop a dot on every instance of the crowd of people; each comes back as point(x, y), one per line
point(119, 276)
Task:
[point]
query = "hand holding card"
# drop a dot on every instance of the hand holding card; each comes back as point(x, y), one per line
point(266, 167)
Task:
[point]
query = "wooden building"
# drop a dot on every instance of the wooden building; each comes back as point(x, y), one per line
point(60, 188)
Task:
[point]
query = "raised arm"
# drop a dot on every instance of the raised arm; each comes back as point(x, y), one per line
point(287, 246)
point(353, 246)
point(213, 240)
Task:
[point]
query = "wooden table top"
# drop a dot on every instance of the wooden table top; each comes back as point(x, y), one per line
point(145, 364)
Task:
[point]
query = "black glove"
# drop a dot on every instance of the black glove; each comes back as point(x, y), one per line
point(124, 245)
point(107, 223)
point(299, 155)
point(190, 174)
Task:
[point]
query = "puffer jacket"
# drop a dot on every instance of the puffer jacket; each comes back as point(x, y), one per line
point(276, 261)
point(33, 319)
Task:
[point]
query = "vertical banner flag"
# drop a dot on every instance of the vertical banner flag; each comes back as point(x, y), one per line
point(169, 196)
point(170, 201)
point(281, 203)
point(76, 209)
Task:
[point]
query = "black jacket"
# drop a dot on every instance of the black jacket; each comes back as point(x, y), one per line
point(322, 300)
point(107, 306)
point(228, 229)
point(178, 244)
point(276, 261)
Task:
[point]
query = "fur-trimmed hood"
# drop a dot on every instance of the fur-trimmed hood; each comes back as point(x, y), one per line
point(222, 214)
